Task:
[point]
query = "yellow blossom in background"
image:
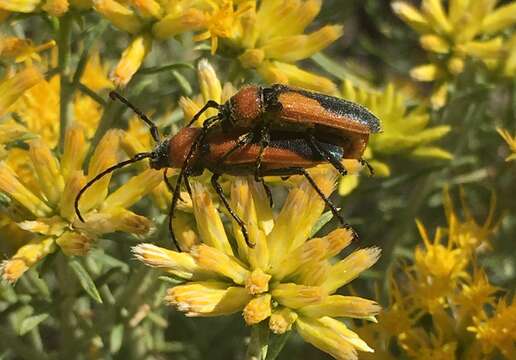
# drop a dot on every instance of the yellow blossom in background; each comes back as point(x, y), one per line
point(211, 89)
point(36, 107)
point(11, 88)
point(286, 281)
point(510, 140)
point(22, 50)
point(404, 131)
point(443, 297)
point(50, 213)
point(208, 19)
point(272, 39)
point(465, 30)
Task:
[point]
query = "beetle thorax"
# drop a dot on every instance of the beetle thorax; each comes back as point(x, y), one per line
point(246, 106)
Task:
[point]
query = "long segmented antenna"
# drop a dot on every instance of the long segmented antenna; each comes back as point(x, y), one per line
point(100, 175)
point(153, 128)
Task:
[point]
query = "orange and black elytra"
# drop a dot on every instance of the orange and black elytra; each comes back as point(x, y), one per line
point(263, 110)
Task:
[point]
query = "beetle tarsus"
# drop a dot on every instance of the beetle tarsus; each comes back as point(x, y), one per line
point(218, 189)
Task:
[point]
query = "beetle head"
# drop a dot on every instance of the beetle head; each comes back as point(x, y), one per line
point(159, 157)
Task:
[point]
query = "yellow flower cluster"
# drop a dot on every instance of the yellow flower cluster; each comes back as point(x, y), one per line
point(467, 30)
point(42, 184)
point(444, 301)
point(47, 190)
point(286, 280)
point(271, 39)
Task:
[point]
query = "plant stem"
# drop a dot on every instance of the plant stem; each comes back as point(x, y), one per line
point(63, 41)
point(257, 349)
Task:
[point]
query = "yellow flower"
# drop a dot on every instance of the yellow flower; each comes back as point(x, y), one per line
point(469, 29)
point(441, 296)
point(131, 60)
point(11, 88)
point(497, 331)
point(510, 140)
point(468, 234)
point(270, 282)
point(23, 6)
point(50, 208)
point(22, 50)
point(119, 15)
point(37, 105)
point(211, 89)
point(272, 39)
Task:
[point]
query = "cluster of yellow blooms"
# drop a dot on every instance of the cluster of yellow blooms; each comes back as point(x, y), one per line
point(289, 280)
point(443, 301)
point(468, 30)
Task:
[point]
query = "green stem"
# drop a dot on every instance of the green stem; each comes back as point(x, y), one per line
point(257, 349)
point(63, 41)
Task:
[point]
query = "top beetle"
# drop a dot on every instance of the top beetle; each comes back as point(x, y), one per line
point(282, 107)
point(263, 110)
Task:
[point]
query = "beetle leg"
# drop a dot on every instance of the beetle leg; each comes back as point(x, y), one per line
point(169, 185)
point(302, 171)
point(175, 197)
point(242, 141)
point(327, 156)
point(153, 128)
point(264, 143)
point(218, 189)
point(209, 104)
point(369, 167)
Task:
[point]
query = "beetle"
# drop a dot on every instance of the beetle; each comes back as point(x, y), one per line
point(287, 154)
point(263, 110)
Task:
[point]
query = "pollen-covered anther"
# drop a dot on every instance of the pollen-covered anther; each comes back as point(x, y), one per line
point(257, 309)
point(257, 282)
point(281, 321)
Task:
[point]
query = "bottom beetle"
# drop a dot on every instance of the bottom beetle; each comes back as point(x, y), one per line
point(193, 151)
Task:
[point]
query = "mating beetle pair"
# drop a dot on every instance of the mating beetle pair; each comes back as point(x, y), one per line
point(260, 131)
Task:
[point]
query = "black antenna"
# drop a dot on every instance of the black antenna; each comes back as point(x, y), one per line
point(100, 175)
point(153, 128)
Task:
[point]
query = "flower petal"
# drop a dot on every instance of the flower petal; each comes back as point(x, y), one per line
point(349, 268)
point(207, 298)
point(342, 306)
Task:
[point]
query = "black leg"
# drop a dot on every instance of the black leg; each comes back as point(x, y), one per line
point(153, 129)
point(167, 182)
point(209, 104)
point(302, 171)
point(175, 197)
point(264, 143)
point(220, 193)
point(242, 141)
point(135, 158)
point(327, 156)
point(369, 167)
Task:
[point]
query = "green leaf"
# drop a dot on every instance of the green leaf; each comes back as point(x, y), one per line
point(31, 322)
point(171, 280)
point(276, 344)
point(183, 83)
point(85, 280)
point(323, 220)
point(115, 338)
point(158, 69)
